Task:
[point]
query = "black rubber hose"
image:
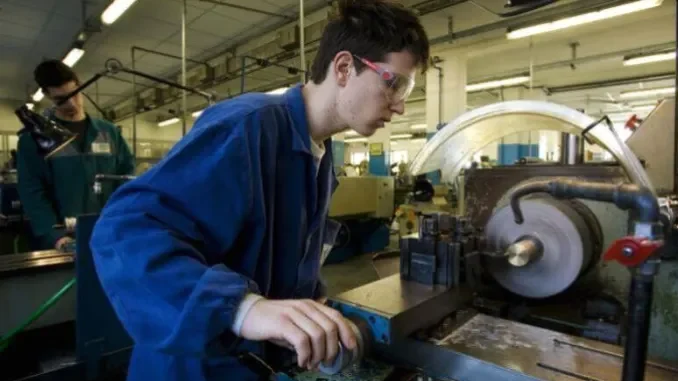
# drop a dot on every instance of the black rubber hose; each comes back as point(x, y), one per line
point(624, 196)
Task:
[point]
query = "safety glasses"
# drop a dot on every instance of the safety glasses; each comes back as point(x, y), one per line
point(398, 86)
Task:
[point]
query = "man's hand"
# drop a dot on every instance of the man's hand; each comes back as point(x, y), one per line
point(61, 242)
point(312, 329)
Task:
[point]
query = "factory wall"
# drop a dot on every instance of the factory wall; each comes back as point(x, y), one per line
point(8, 121)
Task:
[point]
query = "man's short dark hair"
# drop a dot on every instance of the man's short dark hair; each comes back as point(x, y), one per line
point(371, 29)
point(53, 73)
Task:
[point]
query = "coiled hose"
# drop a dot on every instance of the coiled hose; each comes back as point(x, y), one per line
point(5, 340)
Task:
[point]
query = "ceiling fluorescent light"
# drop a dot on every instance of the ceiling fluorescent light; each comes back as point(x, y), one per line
point(73, 57)
point(197, 113)
point(401, 136)
point(38, 95)
point(355, 140)
point(279, 91)
point(168, 122)
point(585, 18)
point(115, 10)
point(648, 92)
point(498, 83)
point(649, 58)
point(418, 126)
point(351, 133)
point(30, 106)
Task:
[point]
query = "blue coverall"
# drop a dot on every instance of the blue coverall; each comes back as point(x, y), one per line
point(235, 207)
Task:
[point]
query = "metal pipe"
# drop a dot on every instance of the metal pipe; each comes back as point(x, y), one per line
point(248, 9)
point(302, 41)
point(624, 196)
point(440, 92)
point(675, 125)
point(184, 11)
point(547, 15)
point(243, 61)
point(163, 54)
point(640, 307)
point(610, 82)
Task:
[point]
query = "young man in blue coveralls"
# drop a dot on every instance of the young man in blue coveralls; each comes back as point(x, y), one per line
point(216, 250)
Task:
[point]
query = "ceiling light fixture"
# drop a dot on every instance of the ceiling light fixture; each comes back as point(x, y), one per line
point(582, 19)
point(355, 140)
point(73, 57)
point(649, 58)
point(115, 10)
point(168, 122)
point(197, 113)
point(30, 106)
point(648, 92)
point(418, 127)
point(401, 136)
point(512, 81)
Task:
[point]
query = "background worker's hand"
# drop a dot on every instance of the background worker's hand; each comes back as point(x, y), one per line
point(310, 328)
point(62, 242)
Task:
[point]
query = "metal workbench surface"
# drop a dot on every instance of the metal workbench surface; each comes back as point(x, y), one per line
point(36, 259)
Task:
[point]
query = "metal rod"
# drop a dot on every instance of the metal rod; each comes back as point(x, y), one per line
point(134, 108)
point(675, 124)
point(567, 372)
point(268, 61)
point(168, 83)
point(538, 17)
point(163, 54)
point(248, 9)
point(243, 61)
point(183, 68)
point(80, 88)
point(302, 41)
point(612, 354)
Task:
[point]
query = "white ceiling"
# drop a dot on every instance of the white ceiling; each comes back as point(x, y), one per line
point(156, 24)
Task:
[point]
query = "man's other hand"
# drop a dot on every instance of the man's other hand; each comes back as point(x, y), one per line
point(312, 329)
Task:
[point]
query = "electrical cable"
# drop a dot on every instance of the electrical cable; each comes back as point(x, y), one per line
point(5, 340)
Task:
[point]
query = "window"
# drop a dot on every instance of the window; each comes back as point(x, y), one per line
point(359, 157)
point(398, 157)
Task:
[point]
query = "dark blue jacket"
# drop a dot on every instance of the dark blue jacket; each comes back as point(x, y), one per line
point(234, 207)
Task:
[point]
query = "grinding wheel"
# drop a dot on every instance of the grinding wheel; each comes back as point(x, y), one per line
point(566, 240)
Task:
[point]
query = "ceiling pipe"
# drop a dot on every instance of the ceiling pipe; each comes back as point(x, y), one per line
point(611, 82)
point(248, 9)
point(536, 17)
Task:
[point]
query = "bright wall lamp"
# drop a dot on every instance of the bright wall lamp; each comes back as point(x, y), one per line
point(649, 58)
point(585, 18)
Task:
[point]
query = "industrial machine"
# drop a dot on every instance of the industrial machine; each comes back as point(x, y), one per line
point(550, 273)
point(363, 205)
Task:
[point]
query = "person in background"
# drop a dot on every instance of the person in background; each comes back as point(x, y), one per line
point(11, 163)
point(217, 249)
point(52, 189)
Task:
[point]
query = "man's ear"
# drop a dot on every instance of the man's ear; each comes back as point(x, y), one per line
point(341, 67)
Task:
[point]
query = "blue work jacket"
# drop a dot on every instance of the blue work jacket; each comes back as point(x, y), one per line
point(235, 207)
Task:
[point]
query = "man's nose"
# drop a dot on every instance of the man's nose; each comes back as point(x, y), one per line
point(399, 107)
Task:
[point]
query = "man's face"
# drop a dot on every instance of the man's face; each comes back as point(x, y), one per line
point(368, 101)
point(73, 108)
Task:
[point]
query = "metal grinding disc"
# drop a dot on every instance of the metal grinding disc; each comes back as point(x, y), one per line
point(566, 247)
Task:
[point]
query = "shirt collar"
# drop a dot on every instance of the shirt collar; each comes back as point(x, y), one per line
point(301, 138)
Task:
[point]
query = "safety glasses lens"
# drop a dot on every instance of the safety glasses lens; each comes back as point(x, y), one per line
point(401, 87)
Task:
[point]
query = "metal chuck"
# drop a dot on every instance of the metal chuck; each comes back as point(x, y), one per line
point(543, 256)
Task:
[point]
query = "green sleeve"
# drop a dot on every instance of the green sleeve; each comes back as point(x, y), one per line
point(32, 184)
point(125, 160)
